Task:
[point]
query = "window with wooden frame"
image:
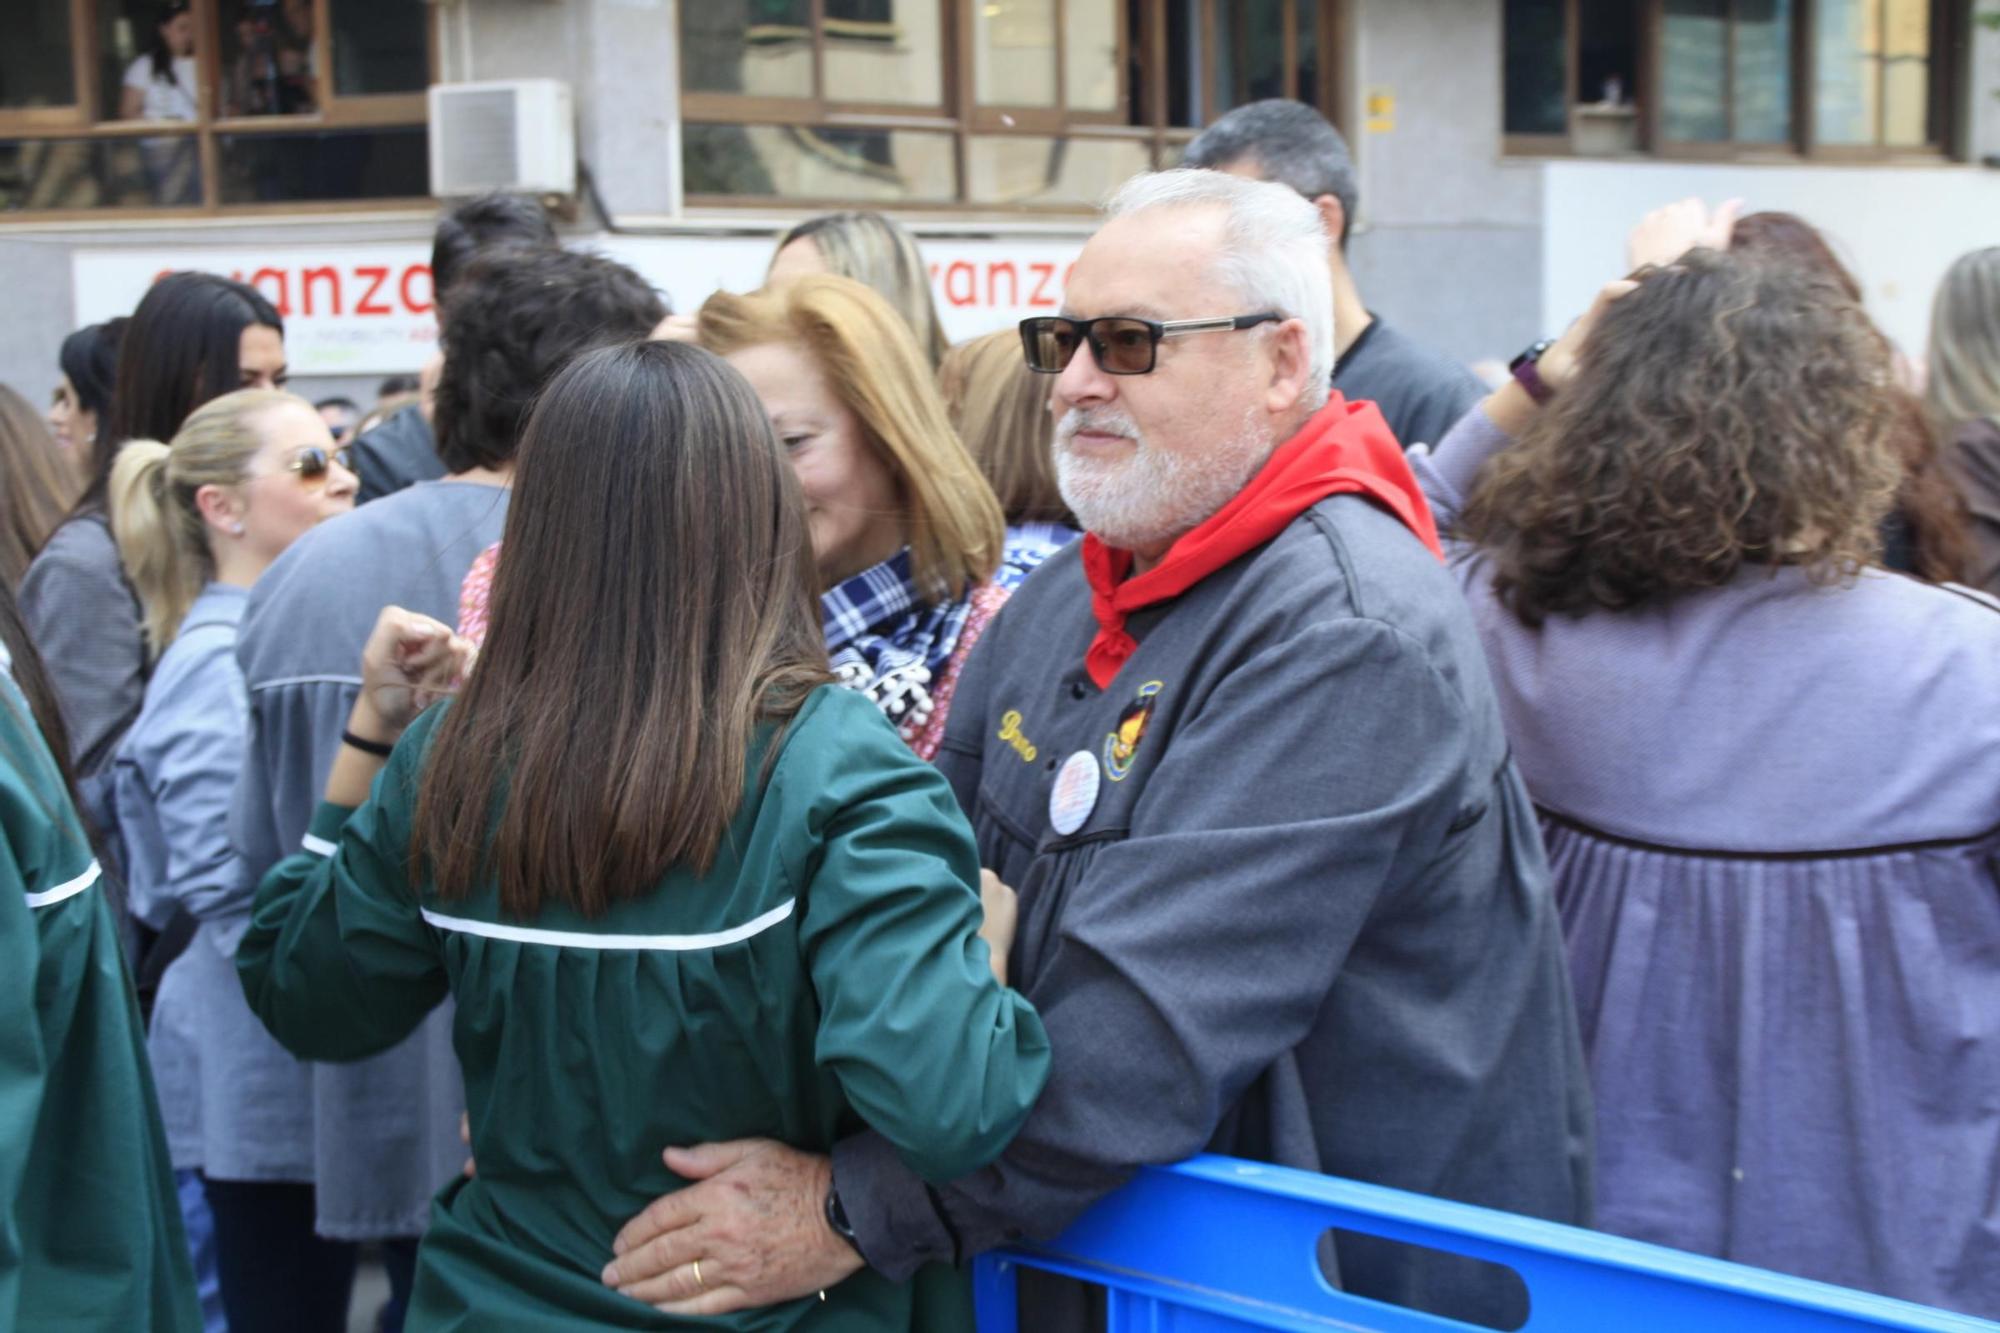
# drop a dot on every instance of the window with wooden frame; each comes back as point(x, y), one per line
point(1019, 104)
point(1826, 79)
point(211, 106)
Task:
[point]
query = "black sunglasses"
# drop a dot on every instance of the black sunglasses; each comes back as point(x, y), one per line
point(1122, 344)
point(314, 462)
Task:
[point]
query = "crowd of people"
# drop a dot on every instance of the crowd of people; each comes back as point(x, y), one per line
point(723, 817)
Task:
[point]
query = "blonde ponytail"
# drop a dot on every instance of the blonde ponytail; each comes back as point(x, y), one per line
point(162, 540)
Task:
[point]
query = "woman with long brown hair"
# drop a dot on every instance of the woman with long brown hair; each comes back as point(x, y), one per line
point(1000, 408)
point(37, 485)
point(1766, 772)
point(680, 886)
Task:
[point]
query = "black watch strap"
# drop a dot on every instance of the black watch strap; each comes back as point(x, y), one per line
point(836, 1218)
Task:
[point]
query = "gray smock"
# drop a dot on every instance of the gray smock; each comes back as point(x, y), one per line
point(1771, 809)
point(85, 621)
point(1306, 920)
point(236, 1105)
point(385, 1129)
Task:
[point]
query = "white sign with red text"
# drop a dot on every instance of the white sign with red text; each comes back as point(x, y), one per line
point(367, 309)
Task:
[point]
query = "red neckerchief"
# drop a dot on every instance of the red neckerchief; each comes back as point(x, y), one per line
point(1343, 447)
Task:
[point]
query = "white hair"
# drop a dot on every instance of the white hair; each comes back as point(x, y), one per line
point(1273, 252)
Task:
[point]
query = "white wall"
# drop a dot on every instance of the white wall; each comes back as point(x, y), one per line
point(1898, 228)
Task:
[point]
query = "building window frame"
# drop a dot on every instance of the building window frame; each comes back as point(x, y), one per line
point(333, 111)
point(1142, 118)
point(1949, 22)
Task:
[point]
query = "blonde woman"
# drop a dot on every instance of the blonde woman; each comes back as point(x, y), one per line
point(1001, 410)
point(1963, 394)
point(874, 251)
point(196, 522)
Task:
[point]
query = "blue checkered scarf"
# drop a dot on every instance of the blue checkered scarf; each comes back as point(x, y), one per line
point(885, 640)
point(890, 643)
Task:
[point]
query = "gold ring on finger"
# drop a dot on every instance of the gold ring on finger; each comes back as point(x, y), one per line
point(697, 1276)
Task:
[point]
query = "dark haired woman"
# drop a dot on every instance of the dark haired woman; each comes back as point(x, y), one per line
point(194, 337)
point(90, 1237)
point(82, 398)
point(160, 85)
point(1928, 532)
point(705, 893)
point(1767, 773)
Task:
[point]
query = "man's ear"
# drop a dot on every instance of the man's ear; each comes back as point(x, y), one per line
point(1333, 217)
point(1291, 367)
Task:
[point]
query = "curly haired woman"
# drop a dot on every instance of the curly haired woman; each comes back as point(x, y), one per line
point(1767, 775)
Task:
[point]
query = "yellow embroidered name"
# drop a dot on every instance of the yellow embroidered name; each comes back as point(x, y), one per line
point(1010, 732)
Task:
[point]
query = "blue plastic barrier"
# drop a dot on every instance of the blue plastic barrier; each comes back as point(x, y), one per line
point(1217, 1245)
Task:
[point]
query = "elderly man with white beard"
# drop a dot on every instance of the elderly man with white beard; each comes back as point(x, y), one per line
point(1281, 893)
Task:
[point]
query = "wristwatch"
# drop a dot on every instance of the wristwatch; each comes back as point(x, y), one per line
point(1526, 371)
point(836, 1218)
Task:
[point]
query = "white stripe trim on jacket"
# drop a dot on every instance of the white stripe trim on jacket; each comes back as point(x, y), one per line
point(49, 897)
point(317, 845)
point(576, 939)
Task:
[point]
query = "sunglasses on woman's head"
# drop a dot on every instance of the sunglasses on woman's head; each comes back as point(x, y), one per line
point(1122, 344)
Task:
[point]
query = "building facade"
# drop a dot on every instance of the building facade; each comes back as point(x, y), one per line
point(1504, 146)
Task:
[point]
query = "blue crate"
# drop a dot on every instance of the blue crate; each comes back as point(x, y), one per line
point(1218, 1245)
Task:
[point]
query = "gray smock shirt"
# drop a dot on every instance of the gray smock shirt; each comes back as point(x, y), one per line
point(85, 621)
point(235, 1103)
point(1306, 920)
point(1772, 809)
point(386, 1128)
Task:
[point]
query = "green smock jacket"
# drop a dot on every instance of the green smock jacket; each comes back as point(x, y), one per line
point(90, 1231)
point(825, 974)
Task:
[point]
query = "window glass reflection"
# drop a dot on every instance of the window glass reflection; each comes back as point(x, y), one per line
point(1023, 169)
point(380, 46)
point(270, 58)
point(1763, 81)
point(1906, 74)
point(1536, 68)
point(1846, 90)
point(1250, 51)
point(762, 48)
point(1090, 55)
point(884, 51)
point(343, 164)
point(796, 162)
point(1695, 59)
point(38, 175)
point(35, 65)
point(1014, 52)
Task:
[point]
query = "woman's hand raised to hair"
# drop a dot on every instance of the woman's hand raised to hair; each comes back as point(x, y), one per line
point(409, 663)
point(1665, 234)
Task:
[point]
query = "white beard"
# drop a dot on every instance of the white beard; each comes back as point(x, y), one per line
point(1144, 501)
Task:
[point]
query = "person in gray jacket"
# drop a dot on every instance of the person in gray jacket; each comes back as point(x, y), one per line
point(197, 522)
point(1421, 392)
point(1281, 892)
point(386, 1129)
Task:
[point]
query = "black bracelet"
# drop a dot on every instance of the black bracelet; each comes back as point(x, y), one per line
point(376, 748)
point(836, 1219)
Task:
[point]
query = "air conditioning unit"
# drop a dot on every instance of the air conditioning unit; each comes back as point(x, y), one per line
point(518, 136)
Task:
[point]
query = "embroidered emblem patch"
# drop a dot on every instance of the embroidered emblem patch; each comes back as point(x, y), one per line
point(1010, 732)
point(1121, 746)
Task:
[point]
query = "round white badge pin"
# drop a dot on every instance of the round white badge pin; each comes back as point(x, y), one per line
point(1075, 793)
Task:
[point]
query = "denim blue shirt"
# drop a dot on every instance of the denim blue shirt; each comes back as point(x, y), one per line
point(234, 1102)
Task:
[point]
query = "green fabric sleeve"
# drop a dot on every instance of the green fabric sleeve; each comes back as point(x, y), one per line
point(933, 1053)
point(338, 961)
point(23, 1068)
